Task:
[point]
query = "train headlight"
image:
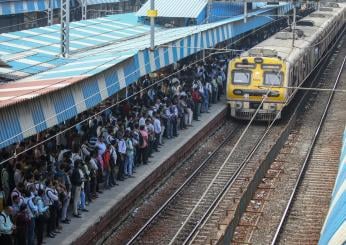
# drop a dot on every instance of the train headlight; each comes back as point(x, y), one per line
point(238, 105)
point(274, 94)
point(237, 92)
point(272, 107)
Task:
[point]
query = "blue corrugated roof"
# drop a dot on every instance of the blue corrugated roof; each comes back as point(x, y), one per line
point(176, 8)
point(9, 7)
point(91, 42)
point(41, 46)
point(95, 60)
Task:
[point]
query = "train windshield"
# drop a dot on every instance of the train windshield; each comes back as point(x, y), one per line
point(241, 77)
point(272, 78)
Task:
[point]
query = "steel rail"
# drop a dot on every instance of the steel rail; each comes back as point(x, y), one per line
point(211, 209)
point(226, 187)
point(307, 158)
point(187, 181)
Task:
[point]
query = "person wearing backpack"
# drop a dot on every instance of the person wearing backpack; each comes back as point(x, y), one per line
point(22, 225)
point(32, 211)
point(51, 200)
point(17, 191)
point(43, 216)
point(6, 226)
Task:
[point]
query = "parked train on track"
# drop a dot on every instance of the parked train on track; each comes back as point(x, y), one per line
point(278, 65)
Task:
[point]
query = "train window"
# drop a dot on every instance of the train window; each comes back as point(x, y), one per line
point(305, 23)
point(241, 77)
point(327, 9)
point(272, 78)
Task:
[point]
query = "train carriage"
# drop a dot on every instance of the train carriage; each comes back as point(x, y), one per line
point(279, 63)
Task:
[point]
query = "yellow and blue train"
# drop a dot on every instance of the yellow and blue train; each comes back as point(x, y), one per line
point(277, 66)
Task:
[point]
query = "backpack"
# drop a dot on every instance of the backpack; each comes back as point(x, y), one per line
point(2, 215)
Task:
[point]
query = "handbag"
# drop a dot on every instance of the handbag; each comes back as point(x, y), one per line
point(45, 215)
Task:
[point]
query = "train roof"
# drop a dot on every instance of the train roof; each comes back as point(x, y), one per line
point(308, 30)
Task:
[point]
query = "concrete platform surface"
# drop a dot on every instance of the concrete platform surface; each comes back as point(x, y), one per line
point(109, 198)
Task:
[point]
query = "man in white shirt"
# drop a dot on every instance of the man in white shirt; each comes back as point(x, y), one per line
point(157, 129)
point(122, 155)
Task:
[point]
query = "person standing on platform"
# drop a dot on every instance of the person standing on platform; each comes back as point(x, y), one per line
point(43, 215)
point(157, 130)
point(76, 180)
point(6, 226)
point(52, 200)
point(122, 155)
point(197, 100)
point(32, 211)
point(22, 225)
point(129, 154)
point(143, 145)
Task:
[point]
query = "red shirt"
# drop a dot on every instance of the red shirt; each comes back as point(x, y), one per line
point(145, 138)
point(106, 159)
point(196, 97)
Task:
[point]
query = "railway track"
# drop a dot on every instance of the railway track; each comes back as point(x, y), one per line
point(142, 212)
point(290, 204)
point(166, 226)
point(305, 212)
point(192, 215)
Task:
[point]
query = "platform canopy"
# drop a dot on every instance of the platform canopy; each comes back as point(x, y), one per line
point(108, 54)
point(9, 7)
point(175, 8)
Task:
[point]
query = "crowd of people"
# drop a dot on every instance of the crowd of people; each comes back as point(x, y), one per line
point(73, 167)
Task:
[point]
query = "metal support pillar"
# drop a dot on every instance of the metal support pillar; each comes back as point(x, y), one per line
point(84, 5)
point(245, 11)
point(152, 13)
point(65, 28)
point(50, 12)
point(294, 23)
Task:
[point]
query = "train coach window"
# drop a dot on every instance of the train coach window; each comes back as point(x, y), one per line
point(272, 78)
point(241, 77)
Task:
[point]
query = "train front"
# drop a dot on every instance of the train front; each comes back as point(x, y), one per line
point(253, 79)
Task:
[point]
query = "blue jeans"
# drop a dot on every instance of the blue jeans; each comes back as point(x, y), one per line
point(129, 165)
point(206, 104)
point(82, 199)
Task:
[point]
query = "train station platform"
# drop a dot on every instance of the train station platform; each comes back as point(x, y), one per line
point(107, 55)
point(103, 212)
